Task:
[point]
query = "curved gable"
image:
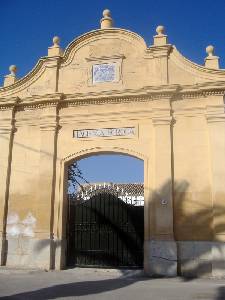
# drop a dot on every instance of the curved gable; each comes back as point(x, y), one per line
point(70, 72)
point(184, 71)
point(121, 50)
point(111, 60)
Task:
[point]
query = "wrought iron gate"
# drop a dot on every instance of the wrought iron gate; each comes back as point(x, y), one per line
point(104, 230)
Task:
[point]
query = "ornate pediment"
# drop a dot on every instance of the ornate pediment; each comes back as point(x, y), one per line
point(112, 61)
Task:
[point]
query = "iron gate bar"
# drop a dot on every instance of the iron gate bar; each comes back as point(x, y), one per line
point(105, 231)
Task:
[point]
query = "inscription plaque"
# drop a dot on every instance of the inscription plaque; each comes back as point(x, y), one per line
point(104, 132)
point(104, 73)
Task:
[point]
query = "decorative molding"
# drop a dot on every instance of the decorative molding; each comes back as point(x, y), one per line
point(7, 126)
point(195, 69)
point(49, 120)
point(27, 122)
point(148, 93)
point(7, 123)
point(188, 112)
point(99, 34)
point(215, 113)
point(9, 103)
point(159, 51)
point(90, 151)
point(25, 82)
point(49, 123)
point(116, 60)
point(40, 101)
point(7, 115)
point(161, 116)
point(43, 62)
point(112, 116)
point(105, 58)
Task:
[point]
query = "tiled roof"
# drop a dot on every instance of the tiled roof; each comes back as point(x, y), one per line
point(132, 189)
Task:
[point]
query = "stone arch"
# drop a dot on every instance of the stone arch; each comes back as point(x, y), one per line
point(101, 150)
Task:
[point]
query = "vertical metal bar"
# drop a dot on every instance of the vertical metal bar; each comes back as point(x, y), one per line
point(91, 229)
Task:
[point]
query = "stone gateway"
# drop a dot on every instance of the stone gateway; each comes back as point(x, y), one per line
point(108, 92)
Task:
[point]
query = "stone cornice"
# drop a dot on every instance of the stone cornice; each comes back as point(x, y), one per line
point(9, 103)
point(37, 102)
point(143, 95)
point(200, 90)
point(149, 93)
point(7, 116)
point(159, 51)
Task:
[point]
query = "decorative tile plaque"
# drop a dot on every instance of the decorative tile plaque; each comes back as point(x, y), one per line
point(104, 73)
point(104, 132)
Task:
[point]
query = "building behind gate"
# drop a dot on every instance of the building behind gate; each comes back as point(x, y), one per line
point(109, 92)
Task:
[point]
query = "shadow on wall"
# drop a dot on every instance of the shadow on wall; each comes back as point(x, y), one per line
point(194, 230)
point(197, 223)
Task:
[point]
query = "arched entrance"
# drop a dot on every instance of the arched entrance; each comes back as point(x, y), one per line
point(128, 234)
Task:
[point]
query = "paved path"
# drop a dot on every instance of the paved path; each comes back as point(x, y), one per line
point(97, 284)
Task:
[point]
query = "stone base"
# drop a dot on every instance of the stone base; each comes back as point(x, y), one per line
point(60, 254)
point(201, 259)
point(27, 252)
point(194, 258)
point(2, 254)
point(160, 258)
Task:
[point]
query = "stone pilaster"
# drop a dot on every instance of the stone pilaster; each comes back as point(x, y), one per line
point(6, 144)
point(215, 115)
point(162, 247)
point(216, 124)
point(160, 51)
point(161, 54)
point(48, 153)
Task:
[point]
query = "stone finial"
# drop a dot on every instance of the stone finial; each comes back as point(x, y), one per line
point(209, 50)
point(160, 39)
point(11, 78)
point(106, 21)
point(13, 70)
point(56, 41)
point(55, 49)
point(160, 30)
point(211, 61)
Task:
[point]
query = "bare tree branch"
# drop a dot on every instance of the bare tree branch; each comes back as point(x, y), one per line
point(75, 178)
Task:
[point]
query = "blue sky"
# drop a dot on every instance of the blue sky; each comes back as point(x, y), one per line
point(27, 28)
point(112, 168)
